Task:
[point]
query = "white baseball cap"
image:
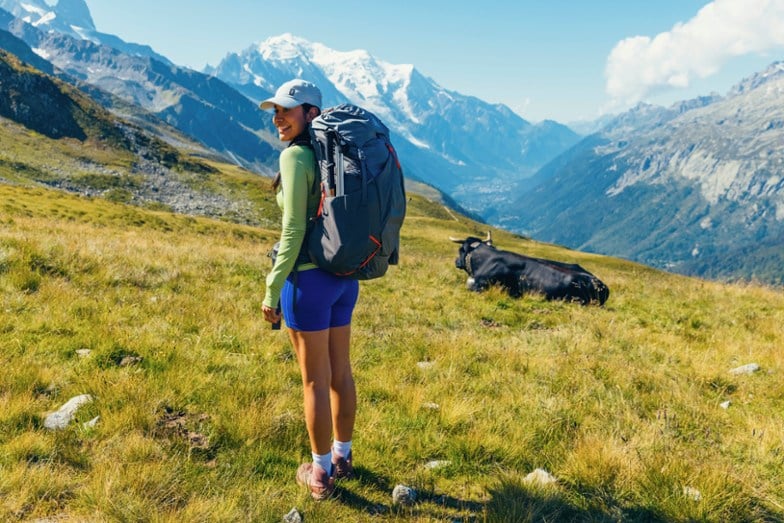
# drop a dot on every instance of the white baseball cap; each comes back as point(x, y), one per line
point(294, 93)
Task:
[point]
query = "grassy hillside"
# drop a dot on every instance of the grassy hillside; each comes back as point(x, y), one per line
point(187, 184)
point(199, 402)
point(54, 135)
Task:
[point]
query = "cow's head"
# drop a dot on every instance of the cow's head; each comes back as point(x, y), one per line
point(467, 246)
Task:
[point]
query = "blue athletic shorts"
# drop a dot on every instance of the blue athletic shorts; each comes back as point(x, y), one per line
point(317, 300)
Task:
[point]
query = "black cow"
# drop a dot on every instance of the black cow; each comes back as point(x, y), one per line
point(520, 274)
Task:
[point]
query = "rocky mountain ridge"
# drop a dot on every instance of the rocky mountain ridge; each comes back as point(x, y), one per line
point(200, 106)
point(696, 188)
point(80, 147)
point(73, 18)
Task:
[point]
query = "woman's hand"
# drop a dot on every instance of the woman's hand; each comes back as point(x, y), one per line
point(271, 315)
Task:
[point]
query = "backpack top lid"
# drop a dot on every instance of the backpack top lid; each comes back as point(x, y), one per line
point(353, 124)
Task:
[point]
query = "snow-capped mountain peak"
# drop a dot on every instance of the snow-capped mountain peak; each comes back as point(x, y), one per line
point(773, 72)
point(283, 47)
point(455, 137)
point(358, 75)
point(72, 18)
point(344, 76)
point(66, 16)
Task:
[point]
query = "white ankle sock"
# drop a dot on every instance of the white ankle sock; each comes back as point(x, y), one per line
point(323, 460)
point(341, 448)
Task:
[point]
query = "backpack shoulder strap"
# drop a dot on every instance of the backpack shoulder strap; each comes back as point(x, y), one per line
point(304, 140)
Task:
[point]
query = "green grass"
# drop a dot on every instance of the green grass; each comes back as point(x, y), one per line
point(31, 160)
point(621, 403)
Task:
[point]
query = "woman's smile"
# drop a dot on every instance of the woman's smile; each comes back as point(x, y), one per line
point(289, 122)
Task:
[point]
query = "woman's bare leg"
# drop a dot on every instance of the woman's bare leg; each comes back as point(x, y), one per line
point(313, 354)
point(343, 395)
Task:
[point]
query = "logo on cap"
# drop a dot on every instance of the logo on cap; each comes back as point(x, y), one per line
point(292, 91)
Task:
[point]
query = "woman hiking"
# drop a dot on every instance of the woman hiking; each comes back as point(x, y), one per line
point(317, 306)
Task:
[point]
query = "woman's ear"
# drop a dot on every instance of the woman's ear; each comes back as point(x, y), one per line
point(312, 113)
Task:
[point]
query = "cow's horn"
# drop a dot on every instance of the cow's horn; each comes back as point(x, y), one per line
point(489, 239)
point(456, 240)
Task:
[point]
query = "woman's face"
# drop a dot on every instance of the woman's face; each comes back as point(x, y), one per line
point(290, 122)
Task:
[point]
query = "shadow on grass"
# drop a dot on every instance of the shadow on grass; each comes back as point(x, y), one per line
point(510, 502)
point(507, 502)
point(361, 503)
point(513, 503)
point(428, 504)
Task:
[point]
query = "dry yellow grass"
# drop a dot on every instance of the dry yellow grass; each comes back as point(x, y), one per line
point(621, 403)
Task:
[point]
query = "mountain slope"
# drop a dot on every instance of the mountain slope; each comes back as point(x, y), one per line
point(697, 188)
point(80, 147)
point(196, 414)
point(56, 109)
point(73, 18)
point(199, 105)
point(17, 47)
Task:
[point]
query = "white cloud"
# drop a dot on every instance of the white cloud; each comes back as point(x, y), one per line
point(640, 65)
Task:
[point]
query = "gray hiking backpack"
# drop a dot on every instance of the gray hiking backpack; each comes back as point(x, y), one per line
point(356, 232)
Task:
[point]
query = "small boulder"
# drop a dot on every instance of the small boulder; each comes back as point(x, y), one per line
point(437, 464)
point(692, 493)
point(127, 361)
point(293, 516)
point(403, 495)
point(540, 477)
point(749, 368)
point(60, 419)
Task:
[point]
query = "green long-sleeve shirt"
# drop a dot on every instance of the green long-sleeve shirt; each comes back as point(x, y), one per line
point(298, 202)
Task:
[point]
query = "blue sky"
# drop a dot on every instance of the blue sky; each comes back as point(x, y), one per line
point(557, 59)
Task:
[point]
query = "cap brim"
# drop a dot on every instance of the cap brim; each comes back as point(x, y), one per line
point(284, 101)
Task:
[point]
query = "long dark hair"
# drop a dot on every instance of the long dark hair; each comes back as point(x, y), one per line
point(302, 139)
